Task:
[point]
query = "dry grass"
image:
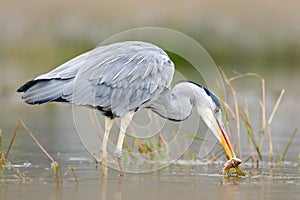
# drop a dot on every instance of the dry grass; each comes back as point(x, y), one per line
point(157, 149)
point(1, 149)
point(255, 138)
point(288, 145)
point(5, 163)
point(269, 125)
point(236, 110)
point(250, 134)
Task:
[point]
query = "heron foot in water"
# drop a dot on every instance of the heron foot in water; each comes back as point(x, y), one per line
point(118, 161)
point(103, 163)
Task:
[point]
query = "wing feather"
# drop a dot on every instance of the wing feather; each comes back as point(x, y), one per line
point(117, 78)
point(127, 77)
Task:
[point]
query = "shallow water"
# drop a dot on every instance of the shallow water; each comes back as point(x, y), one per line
point(53, 125)
point(55, 130)
point(170, 183)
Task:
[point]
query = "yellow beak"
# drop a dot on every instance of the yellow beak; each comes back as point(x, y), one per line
point(223, 138)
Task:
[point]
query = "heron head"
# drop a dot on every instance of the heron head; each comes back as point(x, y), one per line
point(209, 108)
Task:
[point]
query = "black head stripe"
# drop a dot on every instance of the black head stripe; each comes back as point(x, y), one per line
point(213, 97)
point(209, 93)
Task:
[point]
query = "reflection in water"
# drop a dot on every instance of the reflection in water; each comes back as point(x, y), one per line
point(118, 189)
point(169, 183)
point(110, 188)
point(230, 180)
point(53, 126)
point(232, 185)
point(103, 187)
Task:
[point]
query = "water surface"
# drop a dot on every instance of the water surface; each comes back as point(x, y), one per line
point(54, 127)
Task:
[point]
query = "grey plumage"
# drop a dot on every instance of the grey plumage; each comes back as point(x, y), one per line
point(119, 79)
point(115, 79)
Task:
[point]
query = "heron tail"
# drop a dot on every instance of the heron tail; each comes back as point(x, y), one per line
point(42, 91)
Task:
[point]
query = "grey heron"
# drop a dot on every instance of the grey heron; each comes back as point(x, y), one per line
point(122, 78)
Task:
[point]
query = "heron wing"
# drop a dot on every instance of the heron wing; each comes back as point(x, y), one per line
point(115, 78)
point(127, 75)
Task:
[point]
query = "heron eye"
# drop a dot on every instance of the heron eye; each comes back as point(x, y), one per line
point(216, 110)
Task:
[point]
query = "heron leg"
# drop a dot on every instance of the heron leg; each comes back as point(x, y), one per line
point(125, 121)
point(103, 154)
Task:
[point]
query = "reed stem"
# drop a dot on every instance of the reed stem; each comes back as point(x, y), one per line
point(263, 113)
point(269, 125)
point(12, 139)
point(236, 108)
point(288, 145)
point(1, 149)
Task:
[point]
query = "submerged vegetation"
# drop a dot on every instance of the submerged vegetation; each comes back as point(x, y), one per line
point(156, 149)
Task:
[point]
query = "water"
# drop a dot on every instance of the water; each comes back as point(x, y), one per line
point(54, 127)
point(237, 38)
point(169, 183)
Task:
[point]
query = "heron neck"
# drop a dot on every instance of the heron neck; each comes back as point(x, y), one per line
point(175, 105)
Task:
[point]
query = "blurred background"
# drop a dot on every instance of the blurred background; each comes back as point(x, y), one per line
point(256, 36)
point(248, 36)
